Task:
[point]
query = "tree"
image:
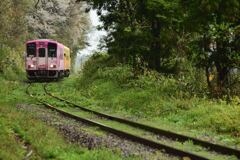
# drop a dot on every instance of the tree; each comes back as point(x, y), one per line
point(138, 29)
point(216, 29)
point(166, 33)
point(13, 33)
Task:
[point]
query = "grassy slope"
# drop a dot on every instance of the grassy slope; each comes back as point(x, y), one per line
point(18, 128)
point(39, 136)
point(160, 101)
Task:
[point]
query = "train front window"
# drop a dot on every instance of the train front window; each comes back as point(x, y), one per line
point(31, 49)
point(52, 50)
point(42, 52)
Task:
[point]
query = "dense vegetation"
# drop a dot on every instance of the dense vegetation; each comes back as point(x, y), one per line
point(176, 37)
point(20, 128)
point(13, 33)
point(153, 98)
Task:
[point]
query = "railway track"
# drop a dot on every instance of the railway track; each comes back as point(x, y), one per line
point(148, 142)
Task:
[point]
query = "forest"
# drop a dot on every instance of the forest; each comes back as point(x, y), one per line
point(176, 37)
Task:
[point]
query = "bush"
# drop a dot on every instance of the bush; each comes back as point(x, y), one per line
point(87, 75)
point(175, 100)
point(11, 64)
point(121, 73)
point(104, 67)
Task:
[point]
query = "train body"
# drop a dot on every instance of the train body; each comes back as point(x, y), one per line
point(47, 59)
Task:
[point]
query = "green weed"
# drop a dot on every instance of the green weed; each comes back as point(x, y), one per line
point(161, 100)
point(15, 123)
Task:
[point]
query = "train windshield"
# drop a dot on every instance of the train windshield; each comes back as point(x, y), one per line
point(52, 50)
point(42, 52)
point(31, 49)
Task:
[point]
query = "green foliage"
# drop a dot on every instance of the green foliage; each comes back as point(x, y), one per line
point(11, 64)
point(167, 36)
point(137, 28)
point(173, 102)
point(8, 143)
point(219, 117)
point(44, 146)
point(13, 28)
point(117, 86)
point(120, 74)
point(19, 127)
point(215, 35)
point(92, 66)
point(13, 33)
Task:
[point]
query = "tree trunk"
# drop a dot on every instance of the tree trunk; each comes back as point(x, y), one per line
point(221, 66)
point(155, 47)
point(222, 75)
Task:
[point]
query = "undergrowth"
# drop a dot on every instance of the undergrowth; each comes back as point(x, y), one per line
point(11, 64)
point(19, 127)
point(177, 101)
point(39, 137)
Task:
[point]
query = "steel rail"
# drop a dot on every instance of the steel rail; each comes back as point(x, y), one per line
point(167, 149)
point(165, 133)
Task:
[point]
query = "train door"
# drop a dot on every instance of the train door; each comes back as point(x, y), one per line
point(52, 56)
point(42, 58)
point(31, 60)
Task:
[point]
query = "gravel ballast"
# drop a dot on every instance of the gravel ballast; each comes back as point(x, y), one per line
point(91, 137)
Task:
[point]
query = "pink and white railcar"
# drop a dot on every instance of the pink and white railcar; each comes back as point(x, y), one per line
point(47, 59)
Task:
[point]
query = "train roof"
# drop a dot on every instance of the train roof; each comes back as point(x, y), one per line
point(45, 40)
point(36, 40)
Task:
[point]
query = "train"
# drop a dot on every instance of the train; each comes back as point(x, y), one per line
point(46, 58)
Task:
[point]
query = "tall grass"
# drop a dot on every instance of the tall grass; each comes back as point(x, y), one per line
point(45, 141)
point(11, 63)
point(181, 100)
point(19, 127)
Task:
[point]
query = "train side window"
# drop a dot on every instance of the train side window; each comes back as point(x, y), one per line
point(52, 50)
point(42, 52)
point(31, 49)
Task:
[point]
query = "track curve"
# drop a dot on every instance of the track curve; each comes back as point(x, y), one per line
point(139, 139)
point(171, 135)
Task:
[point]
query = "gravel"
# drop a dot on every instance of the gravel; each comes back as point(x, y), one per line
point(90, 137)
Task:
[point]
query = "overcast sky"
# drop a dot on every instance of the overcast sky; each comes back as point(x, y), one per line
point(93, 39)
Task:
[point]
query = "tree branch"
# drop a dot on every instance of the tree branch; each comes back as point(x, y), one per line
point(36, 5)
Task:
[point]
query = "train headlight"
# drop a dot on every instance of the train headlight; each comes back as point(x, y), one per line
point(52, 66)
point(31, 66)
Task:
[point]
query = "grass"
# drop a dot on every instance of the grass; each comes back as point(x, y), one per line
point(197, 117)
point(18, 128)
point(203, 116)
point(39, 136)
point(187, 146)
point(161, 101)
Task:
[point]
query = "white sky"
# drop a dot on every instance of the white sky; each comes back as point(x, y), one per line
point(94, 36)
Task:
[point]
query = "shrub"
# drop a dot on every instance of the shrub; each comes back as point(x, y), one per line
point(121, 73)
point(11, 64)
point(87, 75)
